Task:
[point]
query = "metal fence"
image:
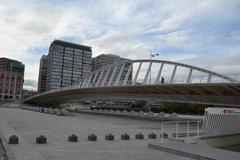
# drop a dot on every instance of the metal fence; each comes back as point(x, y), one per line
point(180, 130)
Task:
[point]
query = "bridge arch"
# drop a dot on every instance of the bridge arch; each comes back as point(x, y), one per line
point(127, 73)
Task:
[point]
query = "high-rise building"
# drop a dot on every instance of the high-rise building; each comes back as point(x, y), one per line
point(42, 77)
point(67, 63)
point(11, 78)
point(104, 60)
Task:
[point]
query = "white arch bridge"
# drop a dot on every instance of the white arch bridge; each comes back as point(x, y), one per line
point(149, 80)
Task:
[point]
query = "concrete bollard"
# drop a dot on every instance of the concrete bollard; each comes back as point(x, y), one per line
point(165, 135)
point(109, 137)
point(125, 136)
point(72, 138)
point(152, 136)
point(41, 140)
point(139, 136)
point(92, 137)
point(13, 140)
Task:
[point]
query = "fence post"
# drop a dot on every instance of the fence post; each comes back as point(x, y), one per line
point(197, 128)
point(187, 129)
point(162, 132)
point(177, 130)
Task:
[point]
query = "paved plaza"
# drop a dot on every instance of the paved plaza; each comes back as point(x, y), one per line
point(28, 125)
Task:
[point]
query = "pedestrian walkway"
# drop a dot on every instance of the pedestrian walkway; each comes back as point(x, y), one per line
point(28, 125)
point(199, 152)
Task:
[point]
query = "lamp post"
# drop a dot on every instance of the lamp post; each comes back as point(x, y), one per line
point(152, 54)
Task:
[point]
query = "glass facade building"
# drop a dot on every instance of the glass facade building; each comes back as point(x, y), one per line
point(67, 64)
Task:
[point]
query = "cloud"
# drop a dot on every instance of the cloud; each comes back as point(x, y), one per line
point(196, 32)
point(30, 84)
point(224, 63)
point(121, 43)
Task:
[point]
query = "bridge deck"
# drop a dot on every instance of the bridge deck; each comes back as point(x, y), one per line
point(217, 94)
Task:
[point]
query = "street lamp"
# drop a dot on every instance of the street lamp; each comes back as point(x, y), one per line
point(152, 54)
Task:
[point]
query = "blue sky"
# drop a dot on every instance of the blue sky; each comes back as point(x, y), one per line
point(205, 33)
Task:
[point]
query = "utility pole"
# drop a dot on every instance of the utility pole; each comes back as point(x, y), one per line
point(150, 74)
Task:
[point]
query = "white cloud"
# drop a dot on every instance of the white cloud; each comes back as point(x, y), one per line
point(120, 43)
point(181, 30)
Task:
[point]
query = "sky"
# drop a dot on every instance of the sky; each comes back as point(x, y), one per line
point(204, 33)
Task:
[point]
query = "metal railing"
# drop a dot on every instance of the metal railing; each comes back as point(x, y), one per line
point(195, 79)
point(180, 130)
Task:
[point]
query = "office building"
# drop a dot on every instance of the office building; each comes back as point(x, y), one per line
point(67, 64)
point(42, 77)
point(11, 78)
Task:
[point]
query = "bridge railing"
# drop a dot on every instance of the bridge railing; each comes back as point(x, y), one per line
point(182, 80)
point(201, 79)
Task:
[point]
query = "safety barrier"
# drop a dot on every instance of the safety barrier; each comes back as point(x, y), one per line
point(221, 122)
